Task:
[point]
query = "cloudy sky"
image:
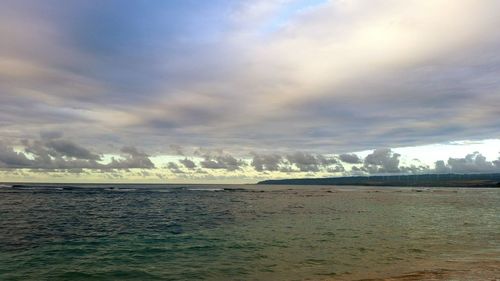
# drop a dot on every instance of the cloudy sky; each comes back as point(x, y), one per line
point(238, 91)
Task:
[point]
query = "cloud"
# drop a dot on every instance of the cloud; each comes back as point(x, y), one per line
point(266, 162)
point(133, 159)
point(326, 160)
point(12, 159)
point(174, 168)
point(471, 163)
point(188, 163)
point(382, 160)
point(70, 149)
point(343, 76)
point(415, 169)
point(441, 167)
point(224, 161)
point(48, 135)
point(65, 155)
point(306, 162)
point(289, 163)
point(339, 168)
point(55, 156)
point(176, 149)
point(350, 158)
point(335, 77)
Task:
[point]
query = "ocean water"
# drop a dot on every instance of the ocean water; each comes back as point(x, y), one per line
point(228, 232)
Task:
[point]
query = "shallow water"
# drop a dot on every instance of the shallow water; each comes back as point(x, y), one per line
point(244, 232)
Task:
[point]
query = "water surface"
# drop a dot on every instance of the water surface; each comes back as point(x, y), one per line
point(207, 232)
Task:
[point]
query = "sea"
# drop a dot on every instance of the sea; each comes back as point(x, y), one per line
point(247, 232)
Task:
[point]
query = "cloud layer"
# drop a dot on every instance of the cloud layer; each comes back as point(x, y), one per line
point(62, 154)
point(65, 156)
point(263, 80)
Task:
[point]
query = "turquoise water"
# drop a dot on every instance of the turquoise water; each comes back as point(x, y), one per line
point(241, 232)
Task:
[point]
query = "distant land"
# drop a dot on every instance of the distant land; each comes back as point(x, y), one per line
point(427, 180)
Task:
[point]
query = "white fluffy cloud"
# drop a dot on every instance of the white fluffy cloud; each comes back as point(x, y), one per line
point(471, 163)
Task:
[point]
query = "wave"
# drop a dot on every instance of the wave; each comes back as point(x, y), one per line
point(225, 189)
point(120, 189)
point(38, 188)
point(205, 189)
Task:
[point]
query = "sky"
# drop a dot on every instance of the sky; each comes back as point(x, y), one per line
point(240, 91)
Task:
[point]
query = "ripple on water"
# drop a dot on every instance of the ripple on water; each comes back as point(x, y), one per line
point(166, 233)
